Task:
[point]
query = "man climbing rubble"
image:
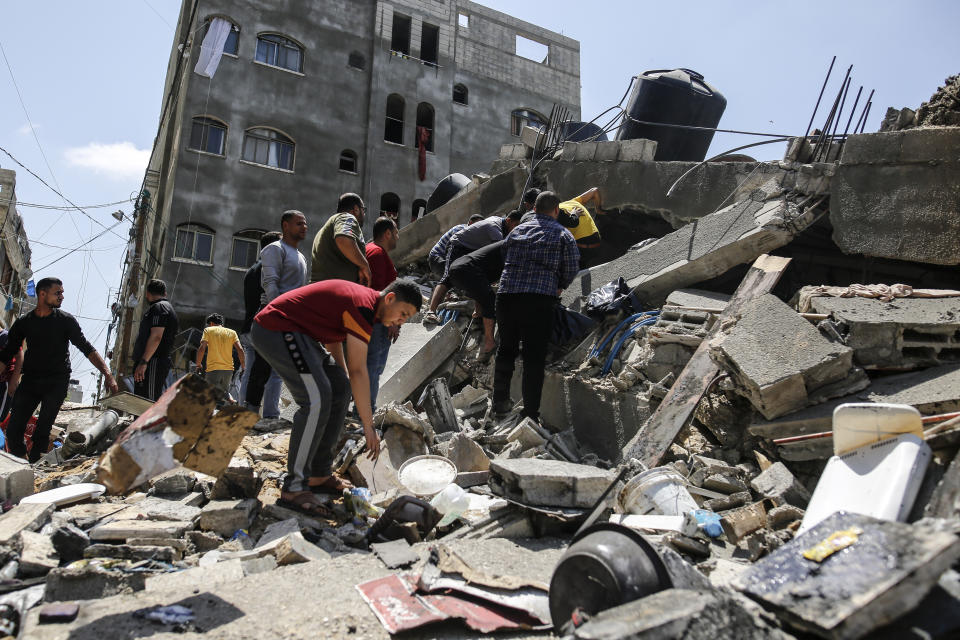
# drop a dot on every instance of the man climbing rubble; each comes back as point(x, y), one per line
point(302, 335)
point(575, 216)
point(437, 259)
point(218, 344)
point(473, 274)
point(46, 367)
point(540, 260)
point(487, 231)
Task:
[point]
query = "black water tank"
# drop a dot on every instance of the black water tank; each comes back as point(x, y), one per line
point(574, 131)
point(446, 189)
point(679, 96)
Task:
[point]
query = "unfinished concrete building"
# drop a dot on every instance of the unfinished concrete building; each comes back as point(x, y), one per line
point(15, 249)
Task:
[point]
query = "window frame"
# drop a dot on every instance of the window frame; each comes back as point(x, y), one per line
point(363, 61)
point(424, 28)
point(524, 120)
point(234, 29)
point(466, 94)
point(196, 230)
point(248, 236)
point(278, 41)
point(420, 204)
point(391, 214)
point(391, 119)
point(352, 155)
point(433, 123)
point(394, 35)
point(210, 122)
point(249, 134)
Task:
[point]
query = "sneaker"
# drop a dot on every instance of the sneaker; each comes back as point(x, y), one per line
point(431, 318)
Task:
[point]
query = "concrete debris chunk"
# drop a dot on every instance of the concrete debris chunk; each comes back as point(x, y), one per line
point(739, 523)
point(37, 554)
point(779, 485)
point(174, 482)
point(23, 517)
point(884, 573)
point(724, 483)
point(197, 578)
point(467, 455)
point(88, 583)
point(549, 482)
point(16, 478)
point(225, 517)
point(415, 355)
point(778, 359)
point(162, 509)
point(438, 405)
point(69, 541)
point(526, 434)
point(124, 529)
point(132, 552)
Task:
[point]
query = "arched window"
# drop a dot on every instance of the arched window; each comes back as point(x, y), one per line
point(232, 44)
point(246, 248)
point(278, 51)
point(460, 94)
point(208, 135)
point(194, 243)
point(425, 122)
point(521, 118)
point(419, 208)
point(390, 205)
point(268, 147)
point(393, 129)
point(356, 60)
point(348, 161)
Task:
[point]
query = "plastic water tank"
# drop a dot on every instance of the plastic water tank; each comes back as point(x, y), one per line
point(574, 131)
point(678, 96)
point(446, 189)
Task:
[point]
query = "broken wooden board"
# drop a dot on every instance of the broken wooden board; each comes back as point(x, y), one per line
point(128, 403)
point(654, 438)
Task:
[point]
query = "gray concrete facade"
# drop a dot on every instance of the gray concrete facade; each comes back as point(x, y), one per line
point(336, 102)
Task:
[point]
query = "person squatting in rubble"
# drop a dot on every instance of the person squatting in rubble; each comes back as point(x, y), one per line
point(46, 367)
point(218, 344)
point(437, 259)
point(487, 231)
point(302, 335)
point(252, 295)
point(473, 274)
point(575, 216)
point(9, 377)
point(383, 272)
point(540, 260)
point(154, 344)
point(283, 268)
point(338, 248)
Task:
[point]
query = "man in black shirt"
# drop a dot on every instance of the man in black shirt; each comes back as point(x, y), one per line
point(473, 274)
point(151, 351)
point(252, 296)
point(46, 366)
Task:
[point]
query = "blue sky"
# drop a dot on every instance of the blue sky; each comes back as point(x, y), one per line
point(92, 82)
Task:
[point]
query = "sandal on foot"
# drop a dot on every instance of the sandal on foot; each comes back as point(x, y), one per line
point(334, 484)
point(431, 318)
point(306, 503)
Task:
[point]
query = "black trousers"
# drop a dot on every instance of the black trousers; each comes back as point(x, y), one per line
point(259, 374)
point(47, 392)
point(523, 319)
point(473, 282)
point(154, 381)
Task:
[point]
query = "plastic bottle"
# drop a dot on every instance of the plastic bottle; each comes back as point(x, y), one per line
point(451, 502)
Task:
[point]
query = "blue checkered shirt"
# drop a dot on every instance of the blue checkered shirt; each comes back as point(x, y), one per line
point(439, 251)
point(541, 257)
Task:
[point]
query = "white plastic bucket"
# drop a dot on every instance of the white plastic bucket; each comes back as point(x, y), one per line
point(660, 490)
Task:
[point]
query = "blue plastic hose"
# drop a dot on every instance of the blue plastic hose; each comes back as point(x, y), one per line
point(619, 344)
point(600, 347)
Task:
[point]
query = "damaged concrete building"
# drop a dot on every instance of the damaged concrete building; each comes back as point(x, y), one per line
point(753, 434)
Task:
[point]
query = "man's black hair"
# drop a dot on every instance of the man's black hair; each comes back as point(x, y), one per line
point(530, 195)
point(46, 283)
point(407, 292)
point(547, 201)
point(269, 238)
point(382, 225)
point(476, 218)
point(289, 215)
point(157, 287)
point(348, 201)
point(515, 215)
point(215, 318)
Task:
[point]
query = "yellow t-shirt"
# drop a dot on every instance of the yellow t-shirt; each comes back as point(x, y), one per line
point(585, 224)
point(219, 348)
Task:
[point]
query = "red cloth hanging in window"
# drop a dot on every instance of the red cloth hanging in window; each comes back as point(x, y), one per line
point(423, 137)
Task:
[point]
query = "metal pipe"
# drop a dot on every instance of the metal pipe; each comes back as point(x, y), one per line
point(81, 440)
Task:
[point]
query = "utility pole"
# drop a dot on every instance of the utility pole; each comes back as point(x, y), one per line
point(133, 280)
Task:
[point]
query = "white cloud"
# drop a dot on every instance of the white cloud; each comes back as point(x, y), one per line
point(24, 130)
point(119, 160)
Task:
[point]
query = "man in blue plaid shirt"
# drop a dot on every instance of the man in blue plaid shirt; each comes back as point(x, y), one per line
point(540, 260)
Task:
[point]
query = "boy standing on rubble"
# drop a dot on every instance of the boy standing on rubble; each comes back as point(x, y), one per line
point(302, 335)
point(384, 272)
point(540, 260)
point(46, 367)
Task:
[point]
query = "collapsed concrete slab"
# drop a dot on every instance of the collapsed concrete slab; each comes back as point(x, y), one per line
point(23, 517)
point(756, 224)
point(895, 196)
point(778, 360)
point(885, 571)
point(905, 333)
point(416, 354)
point(549, 483)
point(16, 478)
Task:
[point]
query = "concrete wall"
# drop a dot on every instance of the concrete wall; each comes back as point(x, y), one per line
point(330, 107)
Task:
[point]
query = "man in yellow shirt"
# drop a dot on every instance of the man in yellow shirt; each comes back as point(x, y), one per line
point(575, 216)
point(218, 343)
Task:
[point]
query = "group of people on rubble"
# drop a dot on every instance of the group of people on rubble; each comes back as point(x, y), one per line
point(326, 336)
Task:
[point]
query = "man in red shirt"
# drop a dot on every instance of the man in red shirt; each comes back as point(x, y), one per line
point(385, 237)
point(287, 332)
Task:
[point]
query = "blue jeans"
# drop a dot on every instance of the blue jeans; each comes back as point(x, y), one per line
point(377, 352)
point(271, 391)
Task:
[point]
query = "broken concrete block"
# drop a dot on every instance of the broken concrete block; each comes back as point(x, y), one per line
point(527, 435)
point(784, 515)
point(416, 354)
point(724, 483)
point(125, 529)
point(174, 482)
point(468, 396)
point(204, 541)
point(741, 522)
point(637, 150)
point(529, 136)
point(198, 578)
point(179, 428)
point(467, 455)
point(88, 583)
point(438, 405)
point(132, 552)
point(238, 480)
point(225, 517)
point(884, 572)
point(16, 478)
point(549, 482)
point(69, 541)
point(778, 359)
point(731, 501)
point(23, 517)
point(585, 151)
point(607, 151)
point(37, 554)
point(162, 509)
point(778, 484)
